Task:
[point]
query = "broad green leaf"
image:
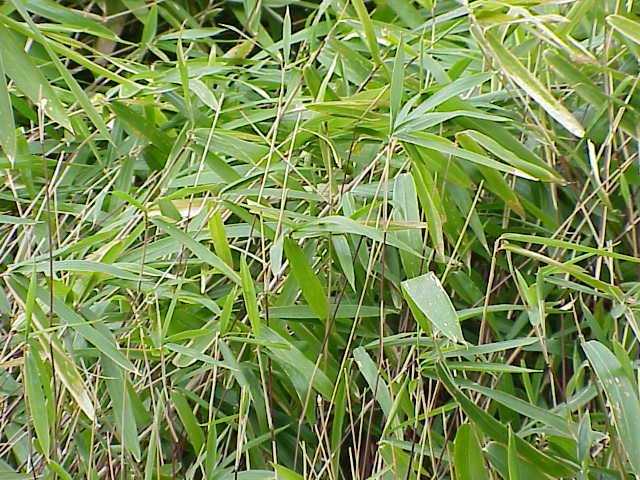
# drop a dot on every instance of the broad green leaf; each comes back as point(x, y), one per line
point(427, 297)
point(467, 454)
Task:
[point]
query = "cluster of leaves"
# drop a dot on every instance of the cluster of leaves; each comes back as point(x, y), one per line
point(288, 239)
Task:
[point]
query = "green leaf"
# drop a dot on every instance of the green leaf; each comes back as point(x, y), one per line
point(557, 468)
point(405, 209)
point(513, 68)
point(467, 454)
point(512, 457)
point(283, 473)
point(369, 32)
point(312, 290)
point(219, 237)
point(533, 169)
point(622, 396)
point(425, 293)
point(29, 79)
point(285, 353)
point(198, 249)
point(8, 140)
point(286, 36)
point(76, 89)
point(431, 205)
point(345, 257)
point(74, 320)
point(397, 84)
point(36, 401)
point(74, 20)
point(376, 383)
point(543, 415)
point(442, 145)
point(117, 386)
point(250, 300)
point(189, 421)
point(626, 26)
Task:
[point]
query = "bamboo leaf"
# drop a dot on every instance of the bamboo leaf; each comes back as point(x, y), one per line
point(312, 290)
point(514, 70)
point(622, 395)
point(427, 297)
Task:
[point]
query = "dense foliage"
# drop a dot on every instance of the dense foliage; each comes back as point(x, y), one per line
point(329, 239)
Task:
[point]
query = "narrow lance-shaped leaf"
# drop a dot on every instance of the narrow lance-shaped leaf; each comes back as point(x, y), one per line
point(189, 421)
point(29, 79)
point(250, 299)
point(369, 32)
point(219, 237)
point(103, 343)
point(493, 428)
point(345, 257)
point(522, 77)
point(430, 201)
point(35, 397)
point(122, 406)
point(198, 249)
point(627, 27)
point(312, 290)
point(377, 384)
point(443, 145)
point(8, 130)
point(286, 36)
point(69, 79)
point(397, 83)
point(622, 395)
